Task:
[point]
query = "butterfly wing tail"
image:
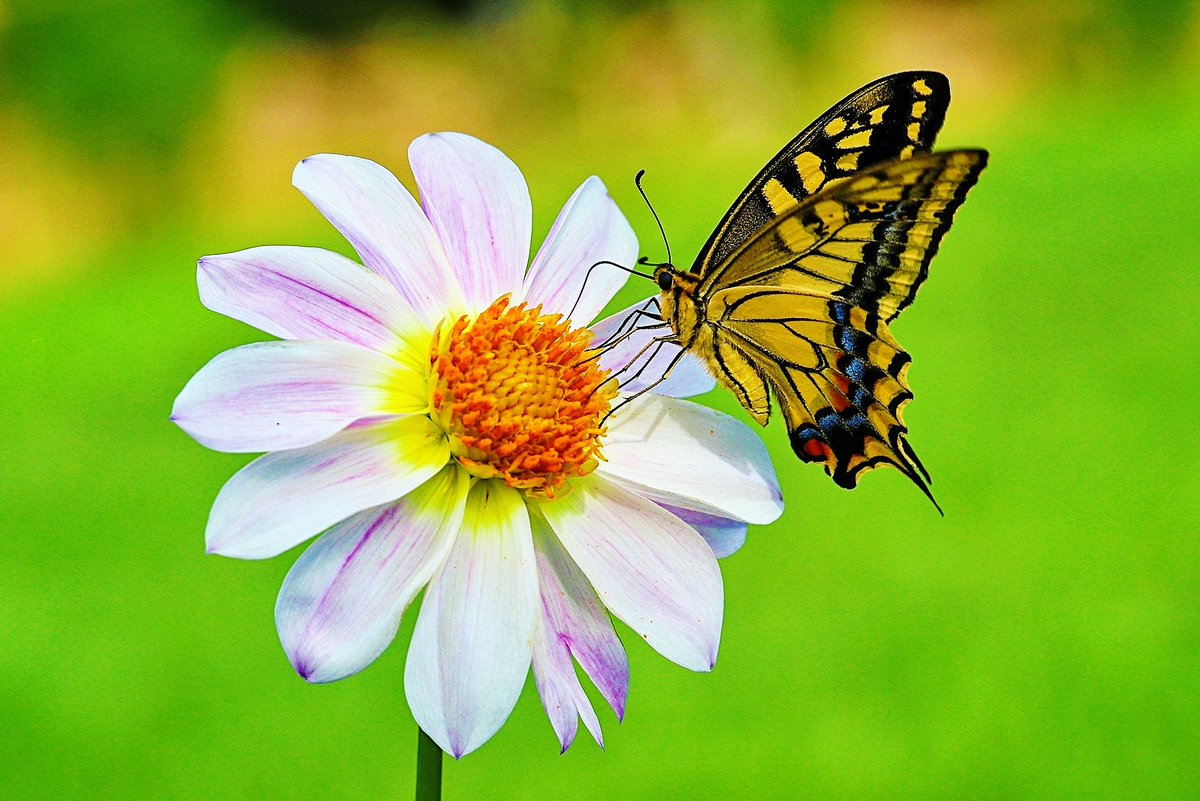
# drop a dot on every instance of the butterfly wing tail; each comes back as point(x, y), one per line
point(846, 430)
point(839, 375)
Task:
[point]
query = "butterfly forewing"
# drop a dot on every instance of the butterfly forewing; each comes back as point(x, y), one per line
point(868, 239)
point(893, 117)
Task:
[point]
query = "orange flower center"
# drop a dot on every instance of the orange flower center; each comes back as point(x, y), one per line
point(519, 397)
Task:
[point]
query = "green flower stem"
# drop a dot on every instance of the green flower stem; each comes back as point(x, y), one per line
point(429, 768)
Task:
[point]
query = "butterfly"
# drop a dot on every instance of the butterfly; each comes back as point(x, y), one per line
point(792, 295)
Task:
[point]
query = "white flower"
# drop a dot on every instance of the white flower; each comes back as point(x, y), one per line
point(437, 418)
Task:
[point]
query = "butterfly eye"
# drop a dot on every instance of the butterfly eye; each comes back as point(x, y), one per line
point(664, 280)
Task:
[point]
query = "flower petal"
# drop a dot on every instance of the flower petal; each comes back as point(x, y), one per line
point(589, 228)
point(341, 602)
point(281, 499)
point(574, 623)
point(305, 293)
point(686, 455)
point(558, 686)
point(479, 205)
point(473, 641)
point(275, 395)
point(387, 228)
point(723, 535)
point(632, 336)
point(650, 568)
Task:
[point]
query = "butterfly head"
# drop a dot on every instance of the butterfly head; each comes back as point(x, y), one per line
point(664, 276)
point(677, 302)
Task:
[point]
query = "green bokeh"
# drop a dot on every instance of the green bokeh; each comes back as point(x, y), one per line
point(1042, 641)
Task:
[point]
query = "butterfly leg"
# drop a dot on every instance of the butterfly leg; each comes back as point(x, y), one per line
point(622, 334)
point(656, 343)
point(666, 374)
point(613, 341)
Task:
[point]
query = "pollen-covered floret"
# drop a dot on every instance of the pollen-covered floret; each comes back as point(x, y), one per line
point(519, 397)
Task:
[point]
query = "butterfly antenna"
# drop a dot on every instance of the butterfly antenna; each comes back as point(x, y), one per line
point(637, 181)
point(588, 275)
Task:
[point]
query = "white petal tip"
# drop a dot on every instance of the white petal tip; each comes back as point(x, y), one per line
point(311, 673)
point(224, 549)
point(301, 164)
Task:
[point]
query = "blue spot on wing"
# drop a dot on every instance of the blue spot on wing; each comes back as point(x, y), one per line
point(805, 434)
point(847, 340)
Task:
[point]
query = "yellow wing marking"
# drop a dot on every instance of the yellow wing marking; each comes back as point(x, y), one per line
point(855, 141)
point(809, 165)
point(835, 126)
point(778, 197)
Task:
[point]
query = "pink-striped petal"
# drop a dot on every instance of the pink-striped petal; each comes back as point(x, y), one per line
point(473, 641)
point(341, 602)
point(275, 395)
point(281, 499)
point(651, 569)
point(675, 452)
point(558, 686)
point(639, 360)
point(387, 228)
point(723, 535)
point(305, 293)
point(590, 228)
point(479, 205)
point(574, 623)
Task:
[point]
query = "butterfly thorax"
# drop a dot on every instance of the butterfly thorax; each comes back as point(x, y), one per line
point(681, 308)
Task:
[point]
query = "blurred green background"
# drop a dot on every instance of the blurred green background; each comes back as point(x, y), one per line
point(1042, 641)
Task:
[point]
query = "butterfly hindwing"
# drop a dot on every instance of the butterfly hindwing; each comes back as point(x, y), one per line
point(893, 117)
point(835, 369)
